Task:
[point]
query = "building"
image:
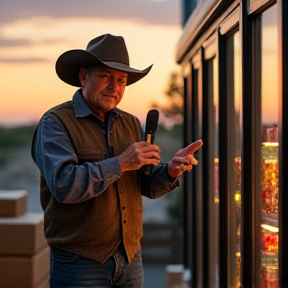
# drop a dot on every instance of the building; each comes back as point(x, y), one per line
point(234, 62)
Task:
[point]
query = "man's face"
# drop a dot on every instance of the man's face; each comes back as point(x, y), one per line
point(102, 88)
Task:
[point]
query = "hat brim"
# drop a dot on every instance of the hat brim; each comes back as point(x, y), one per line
point(69, 63)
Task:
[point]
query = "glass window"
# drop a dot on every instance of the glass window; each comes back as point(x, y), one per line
point(234, 158)
point(197, 173)
point(216, 171)
point(269, 166)
point(237, 167)
point(214, 220)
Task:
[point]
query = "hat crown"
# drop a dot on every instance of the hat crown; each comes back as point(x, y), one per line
point(108, 47)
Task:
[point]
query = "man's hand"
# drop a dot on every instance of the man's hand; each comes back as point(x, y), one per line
point(184, 160)
point(139, 154)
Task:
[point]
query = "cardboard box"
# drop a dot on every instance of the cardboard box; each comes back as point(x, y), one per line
point(44, 283)
point(24, 272)
point(174, 275)
point(13, 202)
point(23, 235)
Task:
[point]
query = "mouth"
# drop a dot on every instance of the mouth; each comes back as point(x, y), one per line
point(110, 96)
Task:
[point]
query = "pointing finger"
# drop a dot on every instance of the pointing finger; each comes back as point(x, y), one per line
point(194, 146)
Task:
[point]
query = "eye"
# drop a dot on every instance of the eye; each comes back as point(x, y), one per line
point(123, 80)
point(104, 75)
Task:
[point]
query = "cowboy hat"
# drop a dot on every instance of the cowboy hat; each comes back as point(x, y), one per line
point(107, 49)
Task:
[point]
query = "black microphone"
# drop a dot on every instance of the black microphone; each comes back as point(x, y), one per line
point(150, 129)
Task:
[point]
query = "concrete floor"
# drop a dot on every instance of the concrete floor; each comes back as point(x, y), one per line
point(154, 275)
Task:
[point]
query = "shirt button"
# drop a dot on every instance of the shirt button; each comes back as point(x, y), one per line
point(123, 207)
point(124, 221)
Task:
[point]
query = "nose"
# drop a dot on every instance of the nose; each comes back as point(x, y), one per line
point(113, 83)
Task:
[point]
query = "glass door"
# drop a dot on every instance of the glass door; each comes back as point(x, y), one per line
point(269, 166)
point(197, 112)
point(214, 220)
point(234, 100)
point(210, 165)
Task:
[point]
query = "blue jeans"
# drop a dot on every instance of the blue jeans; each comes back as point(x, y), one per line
point(70, 270)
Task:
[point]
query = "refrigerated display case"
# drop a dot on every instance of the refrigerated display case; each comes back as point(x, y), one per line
point(237, 198)
point(249, 39)
point(269, 225)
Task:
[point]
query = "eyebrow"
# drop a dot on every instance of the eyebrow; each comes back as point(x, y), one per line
point(108, 69)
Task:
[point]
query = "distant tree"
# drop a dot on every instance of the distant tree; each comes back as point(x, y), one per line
point(172, 110)
point(12, 139)
point(172, 119)
point(175, 207)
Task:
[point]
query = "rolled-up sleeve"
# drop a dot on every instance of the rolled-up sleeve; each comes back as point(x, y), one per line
point(69, 181)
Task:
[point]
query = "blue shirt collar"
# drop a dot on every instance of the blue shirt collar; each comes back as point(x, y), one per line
point(82, 109)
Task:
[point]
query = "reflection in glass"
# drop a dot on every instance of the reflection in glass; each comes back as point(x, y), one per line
point(269, 165)
point(237, 167)
point(197, 175)
point(234, 157)
point(213, 196)
point(216, 165)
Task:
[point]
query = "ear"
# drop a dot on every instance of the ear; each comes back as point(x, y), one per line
point(82, 76)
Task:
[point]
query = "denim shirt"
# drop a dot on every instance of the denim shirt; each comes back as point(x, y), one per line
point(54, 155)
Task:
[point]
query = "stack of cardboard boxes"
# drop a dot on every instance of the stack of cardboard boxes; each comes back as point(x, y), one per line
point(177, 276)
point(24, 254)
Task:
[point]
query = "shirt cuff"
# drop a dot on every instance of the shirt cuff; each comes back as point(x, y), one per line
point(171, 179)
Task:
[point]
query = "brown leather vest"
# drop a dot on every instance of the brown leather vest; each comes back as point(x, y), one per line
point(95, 227)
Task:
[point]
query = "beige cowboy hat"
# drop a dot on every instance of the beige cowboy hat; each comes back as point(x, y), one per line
point(107, 49)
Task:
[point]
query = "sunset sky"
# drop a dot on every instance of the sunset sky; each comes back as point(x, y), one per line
point(34, 33)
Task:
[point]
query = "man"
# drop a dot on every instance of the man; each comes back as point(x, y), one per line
point(90, 155)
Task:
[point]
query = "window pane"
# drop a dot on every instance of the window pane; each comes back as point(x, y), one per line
point(234, 157)
point(269, 166)
point(197, 176)
point(216, 165)
point(237, 169)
